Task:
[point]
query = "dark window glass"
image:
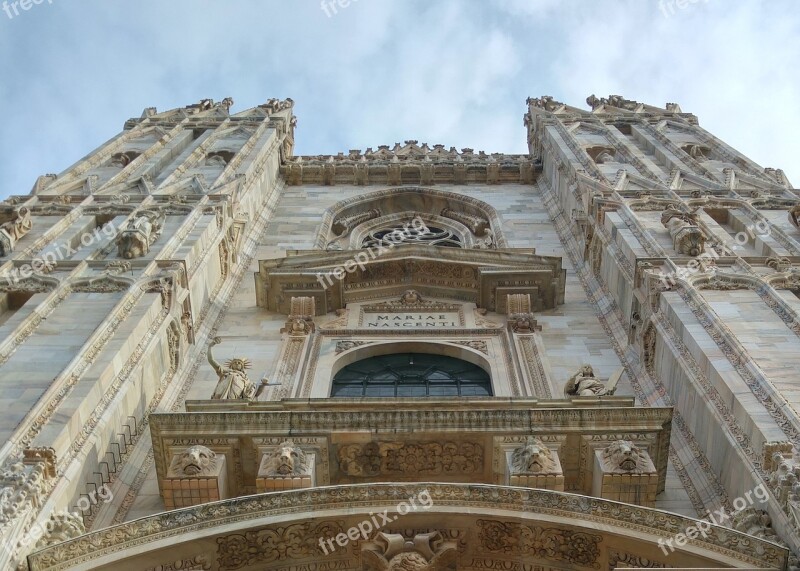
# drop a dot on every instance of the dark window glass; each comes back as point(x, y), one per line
point(411, 375)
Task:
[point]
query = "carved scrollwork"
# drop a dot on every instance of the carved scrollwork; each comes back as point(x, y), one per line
point(375, 458)
point(548, 543)
point(271, 544)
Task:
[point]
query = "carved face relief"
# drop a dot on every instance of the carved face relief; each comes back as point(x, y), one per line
point(236, 365)
point(196, 460)
point(534, 458)
point(408, 562)
point(625, 456)
point(287, 460)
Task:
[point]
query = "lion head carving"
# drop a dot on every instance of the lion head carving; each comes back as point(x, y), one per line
point(195, 460)
point(533, 458)
point(625, 456)
point(287, 460)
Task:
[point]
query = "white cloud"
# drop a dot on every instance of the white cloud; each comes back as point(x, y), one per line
point(451, 72)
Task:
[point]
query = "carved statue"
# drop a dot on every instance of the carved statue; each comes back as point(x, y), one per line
point(533, 458)
point(794, 215)
point(195, 461)
point(287, 460)
point(545, 102)
point(697, 152)
point(625, 456)
point(584, 384)
point(755, 522)
point(487, 242)
point(14, 229)
point(62, 526)
point(687, 237)
point(140, 233)
point(233, 380)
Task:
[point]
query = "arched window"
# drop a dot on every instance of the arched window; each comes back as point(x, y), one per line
point(411, 375)
point(429, 235)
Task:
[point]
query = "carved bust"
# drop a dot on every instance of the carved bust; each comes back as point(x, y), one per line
point(195, 461)
point(533, 458)
point(14, 229)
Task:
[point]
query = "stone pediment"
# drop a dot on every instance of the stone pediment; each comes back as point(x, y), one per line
point(336, 278)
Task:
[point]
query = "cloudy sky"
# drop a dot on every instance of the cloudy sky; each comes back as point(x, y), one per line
point(455, 72)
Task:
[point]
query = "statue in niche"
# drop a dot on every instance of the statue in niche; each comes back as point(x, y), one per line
point(233, 380)
point(687, 237)
point(14, 229)
point(584, 384)
point(139, 234)
point(604, 157)
point(794, 215)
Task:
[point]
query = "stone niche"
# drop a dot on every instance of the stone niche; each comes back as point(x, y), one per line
point(624, 472)
point(195, 476)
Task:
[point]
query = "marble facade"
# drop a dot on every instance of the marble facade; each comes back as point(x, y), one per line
point(628, 286)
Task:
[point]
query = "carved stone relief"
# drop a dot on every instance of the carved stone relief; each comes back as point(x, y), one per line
point(140, 233)
point(388, 458)
point(14, 227)
point(268, 545)
point(394, 552)
point(541, 543)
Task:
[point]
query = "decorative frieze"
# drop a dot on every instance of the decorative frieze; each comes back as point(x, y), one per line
point(385, 458)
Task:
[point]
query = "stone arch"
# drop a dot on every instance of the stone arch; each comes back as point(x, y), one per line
point(415, 199)
point(495, 523)
point(361, 352)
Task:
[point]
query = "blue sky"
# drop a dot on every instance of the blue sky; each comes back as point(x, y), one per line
point(380, 71)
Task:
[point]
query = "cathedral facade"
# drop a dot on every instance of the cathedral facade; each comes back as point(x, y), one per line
point(218, 355)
